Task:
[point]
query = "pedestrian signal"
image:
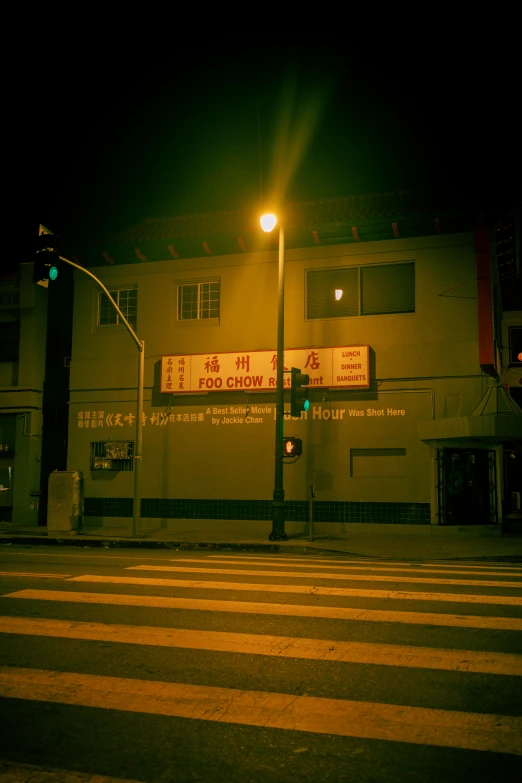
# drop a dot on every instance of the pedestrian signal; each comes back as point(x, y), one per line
point(292, 447)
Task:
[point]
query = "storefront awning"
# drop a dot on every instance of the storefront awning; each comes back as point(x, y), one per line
point(497, 418)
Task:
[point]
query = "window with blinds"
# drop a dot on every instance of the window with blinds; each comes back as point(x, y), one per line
point(322, 287)
point(389, 288)
point(365, 290)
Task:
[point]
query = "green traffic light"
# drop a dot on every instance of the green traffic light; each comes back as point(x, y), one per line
point(53, 273)
point(298, 394)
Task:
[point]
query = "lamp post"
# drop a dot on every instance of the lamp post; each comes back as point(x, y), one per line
point(268, 223)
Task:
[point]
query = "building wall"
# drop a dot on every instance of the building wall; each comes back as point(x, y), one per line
point(21, 387)
point(424, 365)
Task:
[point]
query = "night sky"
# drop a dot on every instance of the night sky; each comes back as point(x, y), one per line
point(100, 141)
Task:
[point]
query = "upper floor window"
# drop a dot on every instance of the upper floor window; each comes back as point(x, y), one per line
point(515, 346)
point(9, 341)
point(361, 290)
point(127, 301)
point(198, 300)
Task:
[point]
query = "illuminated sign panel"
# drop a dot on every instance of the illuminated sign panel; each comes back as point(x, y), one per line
point(344, 367)
point(292, 447)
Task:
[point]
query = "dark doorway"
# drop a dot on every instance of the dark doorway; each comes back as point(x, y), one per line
point(6, 490)
point(467, 487)
point(512, 480)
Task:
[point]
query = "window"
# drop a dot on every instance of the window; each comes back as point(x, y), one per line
point(198, 300)
point(9, 341)
point(515, 346)
point(127, 301)
point(365, 290)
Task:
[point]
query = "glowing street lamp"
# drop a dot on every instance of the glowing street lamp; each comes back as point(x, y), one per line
point(268, 223)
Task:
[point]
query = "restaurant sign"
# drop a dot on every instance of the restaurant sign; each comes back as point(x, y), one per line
point(344, 367)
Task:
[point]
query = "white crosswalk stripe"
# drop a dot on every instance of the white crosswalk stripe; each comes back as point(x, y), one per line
point(337, 565)
point(288, 610)
point(507, 600)
point(331, 575)
point(321, 603)
point(452, 729)
point(278, 646)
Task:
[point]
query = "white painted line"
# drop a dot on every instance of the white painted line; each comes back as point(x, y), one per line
point(274, 646)
point(491, 567)
point(340, 566)
point(312, 575)
point(36, 576)
point(363, 561)
point(287, 610)
point(504, 600)
point(368, 720)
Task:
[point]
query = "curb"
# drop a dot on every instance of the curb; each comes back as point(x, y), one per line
point(303, 548)
point(112, 543)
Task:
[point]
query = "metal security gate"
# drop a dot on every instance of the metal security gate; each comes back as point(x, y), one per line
point(467, 487)
point(492, 484)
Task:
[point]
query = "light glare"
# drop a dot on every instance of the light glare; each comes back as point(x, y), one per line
point(268, 222)
point(338, 294)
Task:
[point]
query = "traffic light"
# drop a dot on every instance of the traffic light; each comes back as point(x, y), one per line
point(292, 447)
point(45, 267)
point(46, 259)
point(298, 395)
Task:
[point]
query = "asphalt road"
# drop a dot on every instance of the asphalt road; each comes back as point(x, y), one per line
point(174, 666)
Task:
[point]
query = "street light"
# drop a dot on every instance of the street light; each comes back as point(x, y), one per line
point(139, 413)
point(268, 223)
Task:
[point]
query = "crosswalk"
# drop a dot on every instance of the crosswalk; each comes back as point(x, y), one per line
point(410, 642)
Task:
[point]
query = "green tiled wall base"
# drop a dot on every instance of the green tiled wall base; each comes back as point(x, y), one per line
point(295, 510)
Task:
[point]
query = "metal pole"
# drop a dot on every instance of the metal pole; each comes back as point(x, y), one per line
point(141, 356)
point(311, 513)
point(278, 504)
point(138, 445)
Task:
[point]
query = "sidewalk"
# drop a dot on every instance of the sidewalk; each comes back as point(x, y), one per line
point(395, 542)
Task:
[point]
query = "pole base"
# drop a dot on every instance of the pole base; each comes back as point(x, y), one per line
point(278, 536)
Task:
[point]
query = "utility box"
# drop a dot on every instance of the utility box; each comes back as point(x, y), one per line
point(65, 502)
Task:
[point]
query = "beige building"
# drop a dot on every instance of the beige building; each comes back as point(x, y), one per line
point(391, 307)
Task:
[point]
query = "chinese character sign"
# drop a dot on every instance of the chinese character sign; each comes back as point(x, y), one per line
point(90, 419)
point(339, 367)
